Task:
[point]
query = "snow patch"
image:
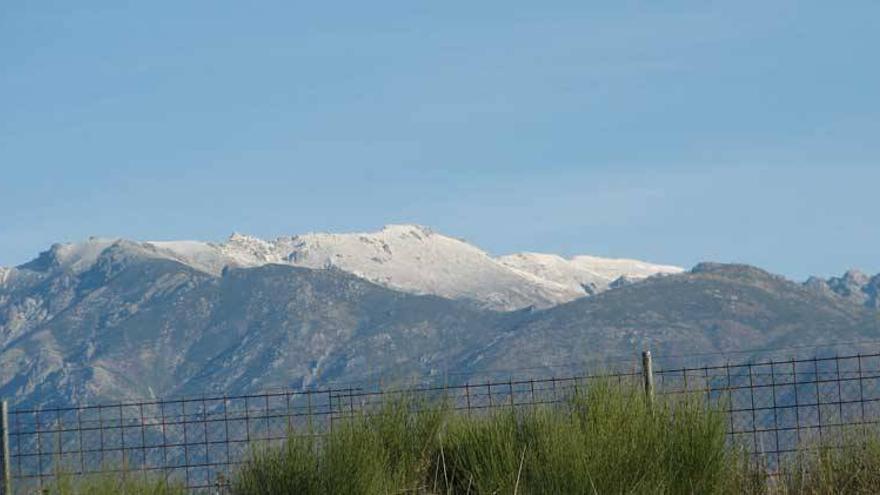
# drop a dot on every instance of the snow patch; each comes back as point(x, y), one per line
point(80, 256)
point(584, 271)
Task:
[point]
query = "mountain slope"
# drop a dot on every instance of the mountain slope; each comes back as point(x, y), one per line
point(714, 308)
point(109, 320)
point(135, 326)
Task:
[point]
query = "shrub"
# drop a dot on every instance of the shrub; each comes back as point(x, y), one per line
point(606, 440)
point(387, 451)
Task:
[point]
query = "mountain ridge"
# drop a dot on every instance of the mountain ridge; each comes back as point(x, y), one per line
point(412, 258)
point(710, 310)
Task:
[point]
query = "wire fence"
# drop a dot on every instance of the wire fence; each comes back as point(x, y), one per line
point(774, 407)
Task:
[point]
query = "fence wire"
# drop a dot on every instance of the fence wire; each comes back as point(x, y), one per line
point(773, 408)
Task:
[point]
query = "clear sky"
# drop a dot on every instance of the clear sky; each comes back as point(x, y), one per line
point(731, 131)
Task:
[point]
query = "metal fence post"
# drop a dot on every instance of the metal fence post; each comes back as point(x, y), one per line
point(648, 374)
point(6, 486)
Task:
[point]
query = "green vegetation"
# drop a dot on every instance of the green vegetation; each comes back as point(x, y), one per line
point(829, 469)
point(605, 440)
point(387, 452)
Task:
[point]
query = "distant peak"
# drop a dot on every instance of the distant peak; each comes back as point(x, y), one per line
point(730, 269)
point(239, 237)
point(75, 256)
point(712, 266)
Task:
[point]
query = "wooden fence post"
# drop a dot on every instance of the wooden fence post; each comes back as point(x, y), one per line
point(648, 374)
point(6, 486)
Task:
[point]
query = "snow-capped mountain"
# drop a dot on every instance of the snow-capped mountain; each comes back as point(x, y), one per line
point(109, 319)
point(404, 257)
point(133, 322)
point(413, 259)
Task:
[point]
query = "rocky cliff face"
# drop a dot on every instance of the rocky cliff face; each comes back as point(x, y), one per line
point(853, 286)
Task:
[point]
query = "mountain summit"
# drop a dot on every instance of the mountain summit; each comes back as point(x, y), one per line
point(409, 258)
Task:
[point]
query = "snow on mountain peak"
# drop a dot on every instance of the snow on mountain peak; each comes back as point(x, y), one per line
point(408, 229)
point(81, 254)
point(416, 259)
point(197, 254)
point(614, 268)
point(74, 257)
point(406, 257)
point(246, 250)
point(590, 273)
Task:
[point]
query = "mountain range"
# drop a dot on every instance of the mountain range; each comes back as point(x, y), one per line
point(410, 258)
point(115, 319)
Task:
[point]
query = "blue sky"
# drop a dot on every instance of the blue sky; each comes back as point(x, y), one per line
point(731, 131)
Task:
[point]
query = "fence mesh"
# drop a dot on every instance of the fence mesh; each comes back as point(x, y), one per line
point(773, 408)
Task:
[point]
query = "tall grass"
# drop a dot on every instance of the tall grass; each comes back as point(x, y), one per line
point(606, 439)
point(828, 468)
point(389, 451)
